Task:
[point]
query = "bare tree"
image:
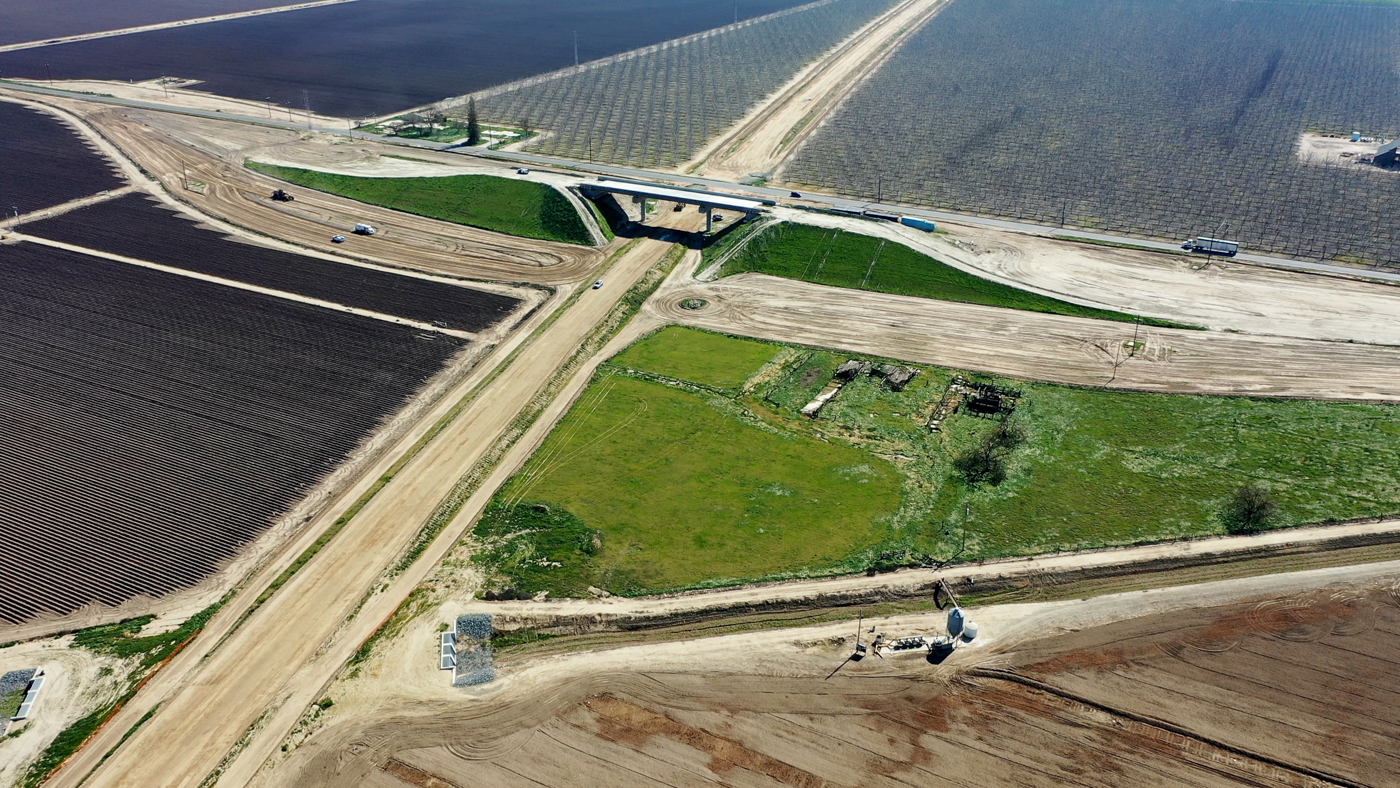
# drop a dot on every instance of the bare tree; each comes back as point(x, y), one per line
point(1251, 509)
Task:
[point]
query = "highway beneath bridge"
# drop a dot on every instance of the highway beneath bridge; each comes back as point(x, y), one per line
point(707, 201)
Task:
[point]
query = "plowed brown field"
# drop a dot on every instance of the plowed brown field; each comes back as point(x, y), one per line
point(1292, 690)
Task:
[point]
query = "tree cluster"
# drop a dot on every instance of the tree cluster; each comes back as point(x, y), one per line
point(985, 463)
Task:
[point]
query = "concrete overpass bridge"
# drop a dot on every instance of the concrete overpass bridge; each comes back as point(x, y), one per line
point(706, 201)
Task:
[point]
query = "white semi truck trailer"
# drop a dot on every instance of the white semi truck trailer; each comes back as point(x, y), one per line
point(1211, 246)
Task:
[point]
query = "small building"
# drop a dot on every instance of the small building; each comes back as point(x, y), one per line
point(894, 377)
point(1386, 156)
point(850, 369)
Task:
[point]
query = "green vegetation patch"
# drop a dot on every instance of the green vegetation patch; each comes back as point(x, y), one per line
point(678, 489)
point(505, 205)
point(1104, 467)
point(844, 259)
point(123, 641)
point(652, 484)
point(9, 704)
point(713, 360)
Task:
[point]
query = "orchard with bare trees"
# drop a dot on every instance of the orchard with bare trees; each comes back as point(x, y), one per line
point(1158, 118)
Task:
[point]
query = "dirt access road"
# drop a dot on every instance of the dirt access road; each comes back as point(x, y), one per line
point(1034, 346)
point(179, 149)
point(1220, 294)
point(1209, 685)
point(763, 139)
point(282, 656)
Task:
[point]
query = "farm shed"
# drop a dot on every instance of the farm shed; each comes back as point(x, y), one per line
point(851, 369)
point(1386, 156)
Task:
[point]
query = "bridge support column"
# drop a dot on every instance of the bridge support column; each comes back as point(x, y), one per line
point(709, 219)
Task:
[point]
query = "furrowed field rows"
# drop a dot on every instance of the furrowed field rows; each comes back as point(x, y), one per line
point(135, 226)
point(36, 20)
point(148, 438)
point(1160, 118)
point(45, 163)
point(381, 56)
point(659, 107)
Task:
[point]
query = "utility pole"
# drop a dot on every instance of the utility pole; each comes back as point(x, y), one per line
point(269, 108)
point(879, 188)
point(49, 71)
point(736, 12)
point(575, 49)
point(306, 99)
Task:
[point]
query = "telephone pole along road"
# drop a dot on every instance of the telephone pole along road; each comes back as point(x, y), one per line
point(767, 192)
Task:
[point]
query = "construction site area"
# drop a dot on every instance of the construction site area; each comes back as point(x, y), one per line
point(362, 459)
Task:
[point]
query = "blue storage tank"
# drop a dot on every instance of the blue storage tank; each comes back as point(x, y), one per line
point(917, 223)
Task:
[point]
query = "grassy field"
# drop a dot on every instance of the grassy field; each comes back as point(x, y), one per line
point(843, 259)
point(649, 486)
point(712, 360)
point(646, 487)
point(524, 208)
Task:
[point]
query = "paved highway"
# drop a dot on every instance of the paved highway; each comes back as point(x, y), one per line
point(767, 192)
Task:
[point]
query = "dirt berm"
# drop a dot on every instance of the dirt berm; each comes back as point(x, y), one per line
point(591, 627)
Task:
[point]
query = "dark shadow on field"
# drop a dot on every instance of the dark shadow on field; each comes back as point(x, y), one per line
point(937, 655)
point(624, 226)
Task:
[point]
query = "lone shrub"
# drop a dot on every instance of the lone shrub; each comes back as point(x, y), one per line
point(986, 462)
point(1251, 509)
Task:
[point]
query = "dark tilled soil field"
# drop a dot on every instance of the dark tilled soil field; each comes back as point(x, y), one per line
point(35, 20)
point(154, 423)
point(43, 163)
point(137, 226)
point(379, 56)
point(1295, 691)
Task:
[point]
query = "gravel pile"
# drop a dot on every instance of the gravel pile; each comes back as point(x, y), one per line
point(475, 664)
point(14, 681)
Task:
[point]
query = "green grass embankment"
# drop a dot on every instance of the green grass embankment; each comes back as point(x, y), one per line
point(669, 474)
point(844, 259)
point(504, 205)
